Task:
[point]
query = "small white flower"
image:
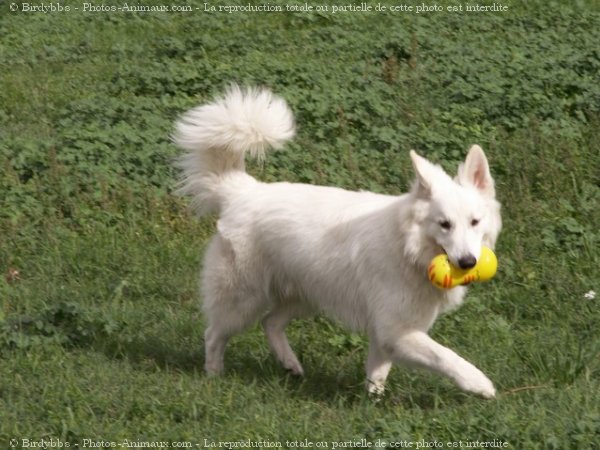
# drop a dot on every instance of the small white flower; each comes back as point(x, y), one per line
point(590, 295)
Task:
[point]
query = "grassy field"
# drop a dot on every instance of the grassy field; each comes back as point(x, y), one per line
point(100, 332)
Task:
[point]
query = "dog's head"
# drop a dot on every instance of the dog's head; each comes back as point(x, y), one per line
point(455, 215)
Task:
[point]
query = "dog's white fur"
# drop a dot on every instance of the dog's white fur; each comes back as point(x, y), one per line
point(285, 250)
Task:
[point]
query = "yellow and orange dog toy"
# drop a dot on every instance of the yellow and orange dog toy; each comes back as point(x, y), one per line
point(444, 275)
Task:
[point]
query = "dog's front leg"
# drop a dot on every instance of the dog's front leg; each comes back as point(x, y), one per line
point(378, 368)
point(417, 349)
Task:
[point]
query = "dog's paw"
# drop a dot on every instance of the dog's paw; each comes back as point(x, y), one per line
point(478, 383)
point(487, 391)
point(214, 369)
point(294, 367)
point(376, 389)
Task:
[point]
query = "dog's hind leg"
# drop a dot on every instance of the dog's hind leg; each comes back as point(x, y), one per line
point(230, 316)
point(274, 325)
point(229, 305)
point(214, 344)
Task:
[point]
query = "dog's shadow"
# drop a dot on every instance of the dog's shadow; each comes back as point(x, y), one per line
point(321, 383)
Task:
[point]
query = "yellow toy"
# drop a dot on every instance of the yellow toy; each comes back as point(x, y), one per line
point(446, 276)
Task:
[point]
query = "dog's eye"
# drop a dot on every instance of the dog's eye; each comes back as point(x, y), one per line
point(445, 224)
point(474, 222)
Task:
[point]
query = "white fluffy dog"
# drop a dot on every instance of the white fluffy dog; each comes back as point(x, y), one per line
point(286, 250)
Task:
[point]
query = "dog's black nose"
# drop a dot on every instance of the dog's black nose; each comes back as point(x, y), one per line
point(466, 262)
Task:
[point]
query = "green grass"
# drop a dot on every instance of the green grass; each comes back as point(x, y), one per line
point(100, 332)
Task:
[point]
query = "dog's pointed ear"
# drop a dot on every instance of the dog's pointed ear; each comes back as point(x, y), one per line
point(424, 171)
point(475, 172)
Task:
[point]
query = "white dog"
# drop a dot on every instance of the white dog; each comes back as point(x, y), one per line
point(285, 250)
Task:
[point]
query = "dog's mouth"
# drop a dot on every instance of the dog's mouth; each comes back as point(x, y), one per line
point(443, 251)
point(439, 250)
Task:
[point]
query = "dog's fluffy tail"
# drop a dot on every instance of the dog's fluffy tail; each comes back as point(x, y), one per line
point(217, 135)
